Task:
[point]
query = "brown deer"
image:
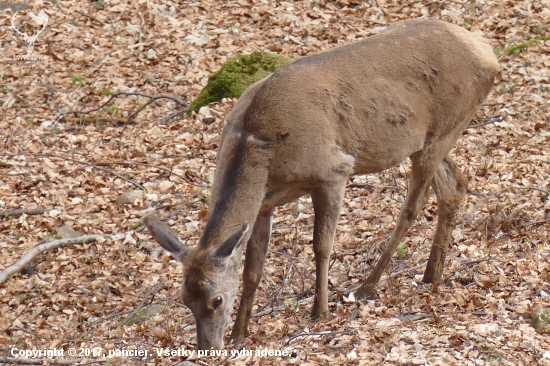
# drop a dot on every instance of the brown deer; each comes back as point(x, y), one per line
point(361, 108)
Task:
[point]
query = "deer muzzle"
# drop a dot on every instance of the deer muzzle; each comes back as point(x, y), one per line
point(209, 335)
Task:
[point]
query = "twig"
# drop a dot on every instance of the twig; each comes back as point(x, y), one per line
point(27, 211)
point(242, 344)
point(175, 212)
point(280, 287)
point(90, 17)
point(136, 112)
point(173, 115)
point(153, 98)
point(152, 166)
point(395, 274)
point(399, 273)
point(281, 307)
point(318, 334)
point(527, 224)
point(85, 163)
point(24, 331)
point(96, 119)
point(41, 248)
point(533, 188)
point(153, 292)
point(489, 121)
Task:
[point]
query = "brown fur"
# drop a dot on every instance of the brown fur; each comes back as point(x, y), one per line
point(356, 109)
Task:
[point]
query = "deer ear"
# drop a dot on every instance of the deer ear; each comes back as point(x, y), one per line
point(232, 243)
point(166, 237)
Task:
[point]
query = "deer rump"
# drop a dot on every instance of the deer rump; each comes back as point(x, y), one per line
point(408, 92)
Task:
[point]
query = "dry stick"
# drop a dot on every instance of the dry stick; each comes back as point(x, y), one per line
point(525, 224)
point(97, 119)
point(28, 211)
point(154, 98)
point(90, 17)
point(85, 163)
point(519, 187)
point(153, 292)
point(175, 212)
point(41, 248)
point(272, 297)
point(489, 121)
point(491, 194)
point(136, 112)
point(173, 115)
point(318, 334)
point(133, 312)
point(398, 273)
point(156, 167)
point(150, 96)
point(242, 344)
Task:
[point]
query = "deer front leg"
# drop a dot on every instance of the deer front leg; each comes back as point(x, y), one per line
point(449, 185)
point(327, 202)
point(253, 267)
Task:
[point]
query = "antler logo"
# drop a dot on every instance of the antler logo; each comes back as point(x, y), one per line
point(40, 19)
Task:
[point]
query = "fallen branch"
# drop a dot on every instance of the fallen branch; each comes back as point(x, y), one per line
point(27, 211)
point(90, 17)
point(399, 273)
point(153, 292)
point(172, 214)
point(532, 188)
point(41, 248)
point(489, 121)
point(173, 115)
point(318, 334)
point(241, 344)
point(153, 98)
point(152, 166)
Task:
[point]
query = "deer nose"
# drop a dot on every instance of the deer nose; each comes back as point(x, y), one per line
point(209, 337)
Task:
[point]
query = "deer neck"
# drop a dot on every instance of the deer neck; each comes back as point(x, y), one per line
point(239, 187)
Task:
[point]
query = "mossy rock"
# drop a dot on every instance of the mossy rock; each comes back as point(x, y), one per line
point(541, 320)
point(143, 315)
point(236, 75)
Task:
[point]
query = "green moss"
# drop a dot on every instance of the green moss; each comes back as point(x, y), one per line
point(236, 75)
point(514, 50)
point(541, 320)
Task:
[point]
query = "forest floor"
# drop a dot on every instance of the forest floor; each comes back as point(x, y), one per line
point(76, 165)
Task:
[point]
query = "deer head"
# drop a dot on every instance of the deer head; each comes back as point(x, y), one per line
point(210, 281)
point(42, 18)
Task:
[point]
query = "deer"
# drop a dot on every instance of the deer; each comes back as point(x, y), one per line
point(407, 92)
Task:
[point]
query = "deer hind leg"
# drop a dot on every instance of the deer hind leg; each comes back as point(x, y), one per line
point(449, 185)
point(424, 166)
point(327, 201)
point(253, 267)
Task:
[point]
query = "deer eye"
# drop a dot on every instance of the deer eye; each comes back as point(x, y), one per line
point(217, 302)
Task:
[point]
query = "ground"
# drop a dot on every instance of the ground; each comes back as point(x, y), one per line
point(60, 151)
